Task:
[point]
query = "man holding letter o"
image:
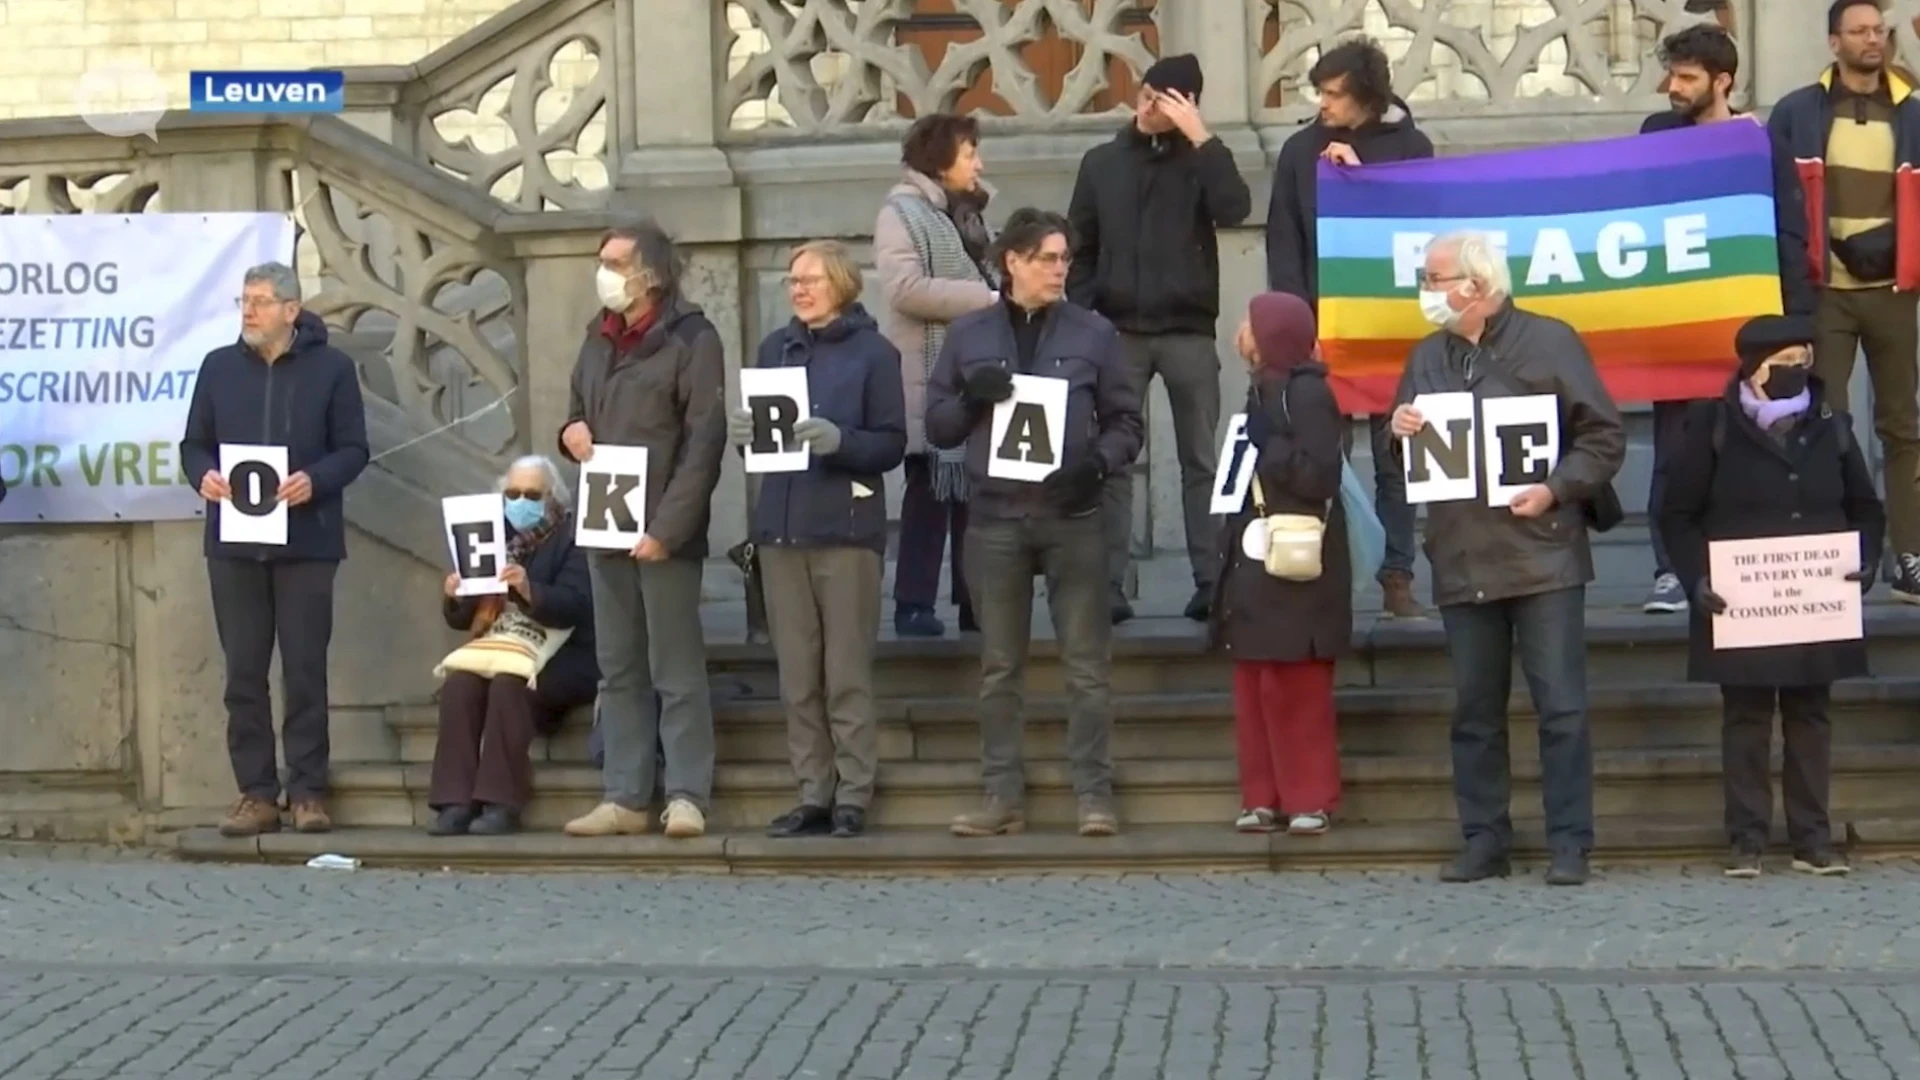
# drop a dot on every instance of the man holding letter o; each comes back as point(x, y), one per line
point(1518, 572)
point(1770, 458)
point(280, 385)
point(651, 374)
point(1020, 528)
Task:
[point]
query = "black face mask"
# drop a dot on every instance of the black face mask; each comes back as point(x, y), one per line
point(1785, 382)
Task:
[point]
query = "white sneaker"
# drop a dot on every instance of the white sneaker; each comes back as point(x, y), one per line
point(1259, 819)
point(684, 820)
point(1307, 824)
point(608, 819)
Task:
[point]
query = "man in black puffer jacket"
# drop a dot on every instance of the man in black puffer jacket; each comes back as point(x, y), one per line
point(281, 384)
point(1145, 214)
point(1360, 122)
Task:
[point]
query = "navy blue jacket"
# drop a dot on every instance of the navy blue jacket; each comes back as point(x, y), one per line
point(853, 380)
point(1789, 216)
point(307, 401)
point(562, 598)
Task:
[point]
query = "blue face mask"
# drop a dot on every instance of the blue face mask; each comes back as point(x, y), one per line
point(523, 514)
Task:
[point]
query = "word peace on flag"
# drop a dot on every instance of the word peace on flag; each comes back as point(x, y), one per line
point(1654, 247)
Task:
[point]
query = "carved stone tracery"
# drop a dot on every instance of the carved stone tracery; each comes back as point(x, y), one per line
point(117, 187)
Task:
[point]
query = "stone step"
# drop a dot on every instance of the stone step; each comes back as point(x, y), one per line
point(1179, 726)
point(1674, 784)
point(1187, 848)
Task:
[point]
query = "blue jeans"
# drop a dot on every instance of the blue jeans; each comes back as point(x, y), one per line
point(1551, 630)
point(1390, 497)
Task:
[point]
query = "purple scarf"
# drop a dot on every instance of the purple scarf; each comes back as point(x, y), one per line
point(1766, 412)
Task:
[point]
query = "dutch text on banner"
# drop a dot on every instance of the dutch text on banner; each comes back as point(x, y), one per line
point(107, 318)
point(1028, 434)
point(613, 498)
point(1656, 248)
point(252, 512)
point(477, 539)
point(1785, 590)
point(1234, 475)
point(777, 398)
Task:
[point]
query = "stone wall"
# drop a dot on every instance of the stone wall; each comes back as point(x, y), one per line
point(175, 37)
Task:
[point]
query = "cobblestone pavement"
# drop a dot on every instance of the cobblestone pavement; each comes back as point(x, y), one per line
point(148, 970)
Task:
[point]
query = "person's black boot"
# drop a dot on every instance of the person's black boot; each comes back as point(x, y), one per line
point(917, 622)
point(1201, 605)
point(495, 821)
point(1477, 862)
point(1569, 867)
point(849, 821)
point(453, 820)
point(802, 820)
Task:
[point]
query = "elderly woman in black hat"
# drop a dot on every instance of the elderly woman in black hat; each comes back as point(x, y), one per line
point(1770, 458)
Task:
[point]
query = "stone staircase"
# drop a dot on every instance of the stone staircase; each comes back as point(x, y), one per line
point(1656, 740)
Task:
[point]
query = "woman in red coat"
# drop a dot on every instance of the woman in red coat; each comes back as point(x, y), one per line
point(1282, 634)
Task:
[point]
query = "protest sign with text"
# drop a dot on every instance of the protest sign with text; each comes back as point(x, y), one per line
point(1785, 590)
point(252, 513)
point(1441, 458)
point(777, 398)
point(1028, 434)
point(106, 320)
point(1234, 475)
point(477, 538)
point(613, 498)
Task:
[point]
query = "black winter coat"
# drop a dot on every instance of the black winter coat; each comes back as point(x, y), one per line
point(1257, 616)
point(1758, 485)
point(853, 381)
point(562, 598)
point(1145, 211)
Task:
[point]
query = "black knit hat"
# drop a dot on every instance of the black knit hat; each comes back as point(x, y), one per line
point(1180, 73)
point(1764, 335)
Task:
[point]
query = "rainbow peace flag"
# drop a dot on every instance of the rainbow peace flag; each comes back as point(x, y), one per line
point(1655, 247)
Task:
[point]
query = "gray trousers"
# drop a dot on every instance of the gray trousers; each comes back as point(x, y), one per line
point(646, 625)
point(1002, 559)
point(1190, 366)
point(823, 613)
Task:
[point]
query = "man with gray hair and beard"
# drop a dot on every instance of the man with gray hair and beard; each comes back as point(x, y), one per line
point(1516, 572)
point(281, 384)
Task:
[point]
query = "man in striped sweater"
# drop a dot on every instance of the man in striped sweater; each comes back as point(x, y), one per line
point(1855, 136)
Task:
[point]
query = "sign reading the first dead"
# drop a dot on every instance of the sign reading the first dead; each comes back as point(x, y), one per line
point(613, 498)
point(252, 512)
point(1029, 431)
point(1785, 590)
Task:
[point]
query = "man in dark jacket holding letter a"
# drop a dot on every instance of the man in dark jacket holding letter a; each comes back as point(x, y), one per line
point(280, 385)
point(1037, 477)
point(1516, 572)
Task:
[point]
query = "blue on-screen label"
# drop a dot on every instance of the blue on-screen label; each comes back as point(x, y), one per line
point(268, 91)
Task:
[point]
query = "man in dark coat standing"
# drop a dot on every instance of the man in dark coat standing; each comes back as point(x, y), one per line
point(1702, 63)
point(1146, 212)
point(281, 384)
point(1360, 122)
point(1771, 458)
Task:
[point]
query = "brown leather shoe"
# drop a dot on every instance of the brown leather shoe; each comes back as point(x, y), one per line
point(250, 817)
point(1396, 596)
point(310, 816)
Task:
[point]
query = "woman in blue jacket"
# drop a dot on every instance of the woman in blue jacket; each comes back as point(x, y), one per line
point(821, 536)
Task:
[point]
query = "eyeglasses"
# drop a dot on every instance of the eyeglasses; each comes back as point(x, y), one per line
point(255, 303)
point(525, 493)
point(808, 282)
point(1427, 280)
point(1866, 33)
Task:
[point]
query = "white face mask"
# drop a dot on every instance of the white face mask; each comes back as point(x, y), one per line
point(1434, 306)
point(612, 287)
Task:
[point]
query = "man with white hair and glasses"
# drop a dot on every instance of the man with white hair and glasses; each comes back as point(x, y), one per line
point(1517, 572)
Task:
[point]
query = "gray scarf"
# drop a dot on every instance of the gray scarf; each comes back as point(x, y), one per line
point(943, 254)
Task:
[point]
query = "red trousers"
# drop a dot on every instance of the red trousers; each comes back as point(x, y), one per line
point(1283, 725)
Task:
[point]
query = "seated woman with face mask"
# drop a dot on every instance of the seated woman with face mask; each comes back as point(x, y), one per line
point(1769, 458)
point(494, 700)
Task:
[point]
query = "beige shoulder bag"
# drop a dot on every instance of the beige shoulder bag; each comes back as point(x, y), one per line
point(1293, 541)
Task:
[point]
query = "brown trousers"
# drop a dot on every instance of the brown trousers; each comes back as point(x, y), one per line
point(1881, 323)
point(823, 613)
point(486, 728)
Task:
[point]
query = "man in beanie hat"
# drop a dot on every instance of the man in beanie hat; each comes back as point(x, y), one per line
point(1702, 63)
point(1360, 121)
point(1769, 458)
point(1145, 213)
point(1519, 572)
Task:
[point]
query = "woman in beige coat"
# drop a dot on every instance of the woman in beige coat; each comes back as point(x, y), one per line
point(930, 249)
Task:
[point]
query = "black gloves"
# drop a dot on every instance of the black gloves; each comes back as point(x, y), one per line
point(1707, 600)
point(1075, 489)
point(1866, 575)
point(986, 384)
